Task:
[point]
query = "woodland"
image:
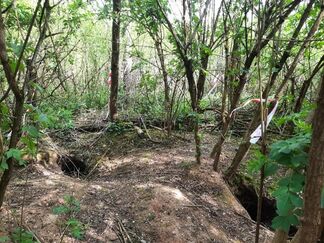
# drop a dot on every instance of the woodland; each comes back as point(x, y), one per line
point(162, 121)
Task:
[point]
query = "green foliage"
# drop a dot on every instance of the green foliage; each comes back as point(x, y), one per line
point(290, 154)
point(70, 207)
point(4, 239)
point(21, 235)
point(76, 228)
point(71, 204)
point(298, 119)
point(258, 161)
point(12, 153)
point(119, 127)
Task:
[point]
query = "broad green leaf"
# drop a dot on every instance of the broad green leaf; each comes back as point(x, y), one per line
point(32, 131)
point(14, 153)
point(284, 205)
point(281, 222)
point(296, 200)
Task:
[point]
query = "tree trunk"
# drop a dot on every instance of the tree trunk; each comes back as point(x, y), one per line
point(15, 136)
point(280, 237)
point(194, 105)
point(167, 102)
point(305, 86)
point(310, 222)
point(244, 147)
point(321, 228)
point(115, 59)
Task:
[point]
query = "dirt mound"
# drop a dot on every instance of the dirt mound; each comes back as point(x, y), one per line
point(149, 194)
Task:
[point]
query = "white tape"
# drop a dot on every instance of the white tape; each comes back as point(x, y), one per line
point(256, 135)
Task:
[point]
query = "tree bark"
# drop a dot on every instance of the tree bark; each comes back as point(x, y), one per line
point(115, 59)
point(280, 237)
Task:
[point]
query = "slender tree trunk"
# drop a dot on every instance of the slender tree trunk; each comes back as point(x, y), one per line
point(194, 105)
point(15, 136)
point(115, 59)
point(243, 148)
point(306, 85)
point(167, 101)
point(310, 221)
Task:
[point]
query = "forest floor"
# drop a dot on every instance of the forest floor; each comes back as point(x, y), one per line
point(136, 190)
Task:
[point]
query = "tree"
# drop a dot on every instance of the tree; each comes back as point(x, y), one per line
point(150, 19)
point(115, 45)
point(194, 40)
point(11, 76)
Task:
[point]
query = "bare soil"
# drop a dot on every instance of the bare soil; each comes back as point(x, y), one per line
point(136, 190)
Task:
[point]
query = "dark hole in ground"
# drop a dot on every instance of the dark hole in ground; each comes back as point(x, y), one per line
point(249, 200)
point(247, 196)
point(73, 166)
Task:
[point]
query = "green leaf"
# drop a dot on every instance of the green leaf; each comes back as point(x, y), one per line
point(4, 239)
point(76, 228)
point(4, 165)
point(296, 200)
point(31, 145)
point(255, 164)
point(296, 183)
point(282, 223)
point(32, 131)
point(270, 169)
point(60, 210)
point(284, 206)
point(280, 191)
point(13, 153)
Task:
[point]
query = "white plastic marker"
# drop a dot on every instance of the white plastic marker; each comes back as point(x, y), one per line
point(256, 135)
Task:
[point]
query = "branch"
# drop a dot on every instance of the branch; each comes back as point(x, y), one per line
point(27, 38)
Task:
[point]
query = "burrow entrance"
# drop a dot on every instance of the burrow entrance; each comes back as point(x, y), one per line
point(73, 166)
point(248, 198)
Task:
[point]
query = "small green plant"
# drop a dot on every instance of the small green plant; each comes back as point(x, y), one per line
point(4, 239)
point(119, 127)
point(290, 154)
point(186, 165)
point(70, 207)
point(21, 235)
point(76, 228)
